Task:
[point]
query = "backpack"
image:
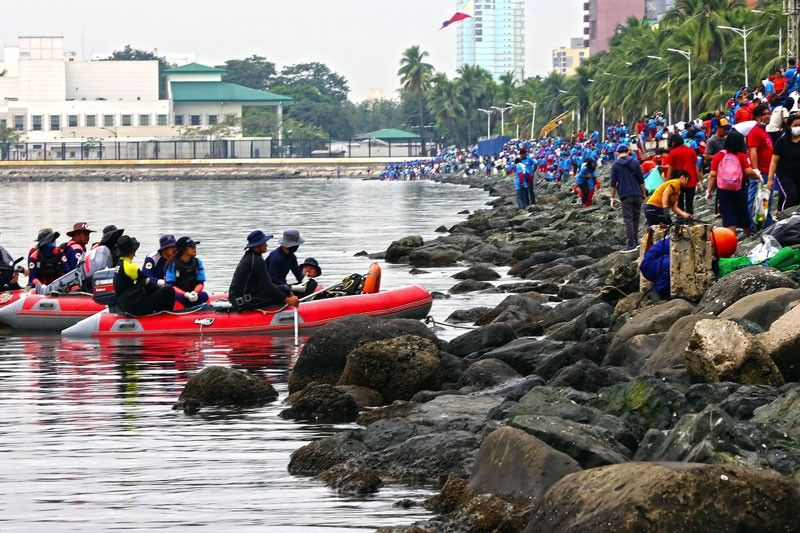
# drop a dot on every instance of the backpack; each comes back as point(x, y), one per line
point(729, 173)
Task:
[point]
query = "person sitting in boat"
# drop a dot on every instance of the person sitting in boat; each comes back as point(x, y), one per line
point(251, 286)
point(310, 268)
point(74, 249)
point(135, 294)
point(186, 274)
point(283, 260)
point(155, 264)
point(104, 253)
point(44, 261)
point(9, 274)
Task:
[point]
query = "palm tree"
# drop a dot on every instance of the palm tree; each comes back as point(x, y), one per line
point(445, 104)
point(477, 88)
point(415, 75)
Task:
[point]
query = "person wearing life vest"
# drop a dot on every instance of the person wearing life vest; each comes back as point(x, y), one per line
point(283, 260)
point(44, 261)
point(155, 264)
point(74, 249)
point(655, 264)
point(308, 284)
point(251, 286)
point(9, 272)
point(186, 274)
point(135, 294)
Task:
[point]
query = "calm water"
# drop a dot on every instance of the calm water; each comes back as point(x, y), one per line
point(88, 440)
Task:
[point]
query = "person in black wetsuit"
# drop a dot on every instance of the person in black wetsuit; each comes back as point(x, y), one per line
point(251, 287)
point(136, 295)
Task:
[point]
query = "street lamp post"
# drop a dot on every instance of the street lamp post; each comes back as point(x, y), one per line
point(488, 121)
point(780, 28)
point(502, 118)
point(669, 90)
point(512, 106)
point(744, 33)
point(688, 57)
point(533, 118)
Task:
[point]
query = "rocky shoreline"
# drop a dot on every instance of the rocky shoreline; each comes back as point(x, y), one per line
point(576, 404)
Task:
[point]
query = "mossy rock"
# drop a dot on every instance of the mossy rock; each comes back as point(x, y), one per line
point(643, 403)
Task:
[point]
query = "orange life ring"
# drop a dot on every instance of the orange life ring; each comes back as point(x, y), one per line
point(372, 281)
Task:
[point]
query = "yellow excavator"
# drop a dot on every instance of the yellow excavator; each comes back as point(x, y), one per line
point(553, 124)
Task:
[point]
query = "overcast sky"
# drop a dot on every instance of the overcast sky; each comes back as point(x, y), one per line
point(360, 39)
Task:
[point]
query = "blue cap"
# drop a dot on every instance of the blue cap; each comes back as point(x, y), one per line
point(166, 241)
point(623, 148)
point(256, 238)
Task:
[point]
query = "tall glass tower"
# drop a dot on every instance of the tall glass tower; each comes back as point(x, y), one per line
point(494, 38)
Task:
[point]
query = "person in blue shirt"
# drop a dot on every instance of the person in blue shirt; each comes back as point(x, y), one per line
point(155, 264)
point(520, 184)
point(283, 260)
point(585, 181)
point(186, 274)
point(74, 249)
point(792, 77)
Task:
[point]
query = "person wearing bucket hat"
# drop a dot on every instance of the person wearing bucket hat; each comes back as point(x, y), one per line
point(155, 265)
point(76, 247)
point(136, 295)
point(283, 260)
point(251, 287)
point(45, 259)
point(310, 268)
point(186, 274)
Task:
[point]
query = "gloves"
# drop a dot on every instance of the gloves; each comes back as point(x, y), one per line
point(301, 287)
point(191, 296)
point(161, 283)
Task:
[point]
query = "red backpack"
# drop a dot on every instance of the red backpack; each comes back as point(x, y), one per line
point(729, 173)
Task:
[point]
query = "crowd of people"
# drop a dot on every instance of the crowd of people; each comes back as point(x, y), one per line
point(172, 277)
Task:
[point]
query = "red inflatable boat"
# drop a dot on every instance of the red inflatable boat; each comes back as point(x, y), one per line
point(406, 302)
point(37, 312)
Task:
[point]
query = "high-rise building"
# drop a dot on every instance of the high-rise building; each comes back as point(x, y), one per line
point(566, 60)
point(494, 38)
point(655, 9)
point(601, 18)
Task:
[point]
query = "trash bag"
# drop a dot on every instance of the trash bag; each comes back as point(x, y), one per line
point(761, 206)
point(787, 231)
point(785, 260)
point(767, 249)
point(653, 181)
point(731, 264)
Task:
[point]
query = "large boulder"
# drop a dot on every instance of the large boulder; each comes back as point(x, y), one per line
point(782, 343)
point(402, 247)
point(656, 319)
point(514, 464)
point(470, 285)
point(635, 497)
point(397, 368)
point(320, 455)
point(487, 373)
point(634, 352)
point(735, 286)
point(224, 386)
point(478, 273)
point(435, 255)
point(324, 404)
point(525, 355)
point(586, 375)
point(325, 353)
point(463, 316)
point(669, 353)
point(491, 336)
point(762, 308)
point(783, 414)
point(721, 350)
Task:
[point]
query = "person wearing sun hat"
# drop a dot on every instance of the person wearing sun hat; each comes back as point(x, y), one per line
point(76, 247)
point(44, 260)
point(310, 268)
point(283, 260)
point(155, 265)
point(251, 286)
point(136, 295)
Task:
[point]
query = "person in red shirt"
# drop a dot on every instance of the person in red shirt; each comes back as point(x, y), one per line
point(743, 114)
point(681, 157)
point(779, 81)
point(760, 147)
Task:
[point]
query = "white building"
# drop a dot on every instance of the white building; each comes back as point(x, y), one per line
point(493, 38)
point(48, 96)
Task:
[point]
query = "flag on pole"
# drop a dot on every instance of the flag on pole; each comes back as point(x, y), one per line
point(464, 13)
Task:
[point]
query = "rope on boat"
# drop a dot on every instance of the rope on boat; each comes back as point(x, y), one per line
point(430, 320)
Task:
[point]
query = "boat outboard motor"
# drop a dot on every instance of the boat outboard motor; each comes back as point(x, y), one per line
point(94, 260)
point(103, 286)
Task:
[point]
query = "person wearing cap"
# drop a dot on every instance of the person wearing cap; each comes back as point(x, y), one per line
point(44, 260)
point(283, 260)
point(136, 295)
point(627, 182)
point(74, 249)
point(186, 274)
point(155, 264)
point(310, 268)
point(251, 286)
point(717, 141)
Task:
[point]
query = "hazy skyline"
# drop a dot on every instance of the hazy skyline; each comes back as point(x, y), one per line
point(360, 39)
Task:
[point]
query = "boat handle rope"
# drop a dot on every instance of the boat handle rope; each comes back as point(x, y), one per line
point(430, 320)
